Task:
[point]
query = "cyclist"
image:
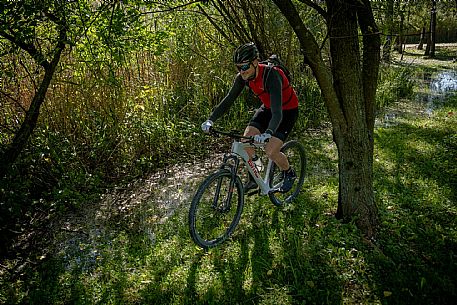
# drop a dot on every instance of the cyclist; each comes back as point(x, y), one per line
point(274, 120)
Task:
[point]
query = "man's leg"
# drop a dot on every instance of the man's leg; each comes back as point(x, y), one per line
point(251, 131)
point(273, 151)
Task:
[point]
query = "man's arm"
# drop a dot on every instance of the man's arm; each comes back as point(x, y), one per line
point(273, 85)
point(229, 99)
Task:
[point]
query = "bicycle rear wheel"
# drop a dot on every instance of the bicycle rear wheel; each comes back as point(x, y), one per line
point(296, 155)
point(216, 209)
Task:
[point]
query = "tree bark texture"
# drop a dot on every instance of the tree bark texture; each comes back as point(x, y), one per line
point(349, 89)
point(422, 39)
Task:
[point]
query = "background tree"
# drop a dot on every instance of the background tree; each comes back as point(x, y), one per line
point(431, 37)
point(403, 13)
point(22, 23)
point(388, 30)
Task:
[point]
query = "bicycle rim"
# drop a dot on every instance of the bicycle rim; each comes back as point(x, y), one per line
point(216, 209)
point(296, 155)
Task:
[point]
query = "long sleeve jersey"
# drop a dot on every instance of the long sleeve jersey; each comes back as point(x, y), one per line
point(271, 96)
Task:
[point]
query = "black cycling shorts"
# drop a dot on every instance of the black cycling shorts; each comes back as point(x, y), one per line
point(262, 118)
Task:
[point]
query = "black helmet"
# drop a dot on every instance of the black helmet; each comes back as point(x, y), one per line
point(246, 52)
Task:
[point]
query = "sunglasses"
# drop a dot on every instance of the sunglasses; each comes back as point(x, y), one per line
point(244, 67)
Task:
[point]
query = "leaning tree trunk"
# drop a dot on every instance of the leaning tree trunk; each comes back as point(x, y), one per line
point(21, 138)
point(422, 39)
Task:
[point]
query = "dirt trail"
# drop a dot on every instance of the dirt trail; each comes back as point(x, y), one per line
point(138, 207)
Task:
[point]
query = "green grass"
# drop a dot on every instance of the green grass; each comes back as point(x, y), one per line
point(416, 185)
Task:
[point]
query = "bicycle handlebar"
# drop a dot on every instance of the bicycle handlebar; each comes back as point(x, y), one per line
point(230, 134)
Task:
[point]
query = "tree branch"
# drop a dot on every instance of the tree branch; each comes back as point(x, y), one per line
point(237, 30)
point(169, 9)
point(316, 7)
point(251, 27)
point(313, 57)
point(28, 47)
point(10, 97)
point(215, 25)
point(370, 59)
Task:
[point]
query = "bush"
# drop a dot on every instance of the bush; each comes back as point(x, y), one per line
point(395, 83)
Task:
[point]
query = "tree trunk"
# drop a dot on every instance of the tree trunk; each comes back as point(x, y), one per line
point(422, 39)
point(427, 48)
point(355, 142)
point(349, 92)
point(389, 31)
point(431, 36)
point(433, 30)
point(13, 150)
point(355, 194)
point(400, 38)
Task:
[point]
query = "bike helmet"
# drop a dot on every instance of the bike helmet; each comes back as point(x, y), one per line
point(244, 53)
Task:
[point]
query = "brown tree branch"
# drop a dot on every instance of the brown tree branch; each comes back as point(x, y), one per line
point(169, 9)
point(313, 57)
point(28, 47)
point(233, 21)
point(316, 7)
point(370, 59)
point(215, 25)
point(20, 139)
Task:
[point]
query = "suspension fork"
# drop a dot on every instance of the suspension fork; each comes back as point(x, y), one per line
point(233, 170)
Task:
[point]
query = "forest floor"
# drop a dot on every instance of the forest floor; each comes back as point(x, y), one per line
point(132, 246)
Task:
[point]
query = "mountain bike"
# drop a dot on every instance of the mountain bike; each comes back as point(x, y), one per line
point(216, 208)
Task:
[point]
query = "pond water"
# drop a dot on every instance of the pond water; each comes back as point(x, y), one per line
point(434, 88)
point(444, 84)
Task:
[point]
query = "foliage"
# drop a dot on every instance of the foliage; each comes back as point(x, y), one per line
point(130, 82)
point(417, 15)
point(395, 83)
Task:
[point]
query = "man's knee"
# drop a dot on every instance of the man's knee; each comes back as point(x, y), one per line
point(273, 148)
point(251, 131)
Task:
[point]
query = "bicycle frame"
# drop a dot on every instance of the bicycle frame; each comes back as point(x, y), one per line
point(239, 150)
point(215, 213)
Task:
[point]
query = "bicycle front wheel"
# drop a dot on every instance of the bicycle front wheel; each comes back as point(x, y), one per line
point(296, 155)
point(216, 209)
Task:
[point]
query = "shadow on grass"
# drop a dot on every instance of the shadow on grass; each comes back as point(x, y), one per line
point(417, 182)
point(276, 256)
point(267, 262)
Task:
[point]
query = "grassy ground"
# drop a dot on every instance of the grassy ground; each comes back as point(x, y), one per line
point(132, 248)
